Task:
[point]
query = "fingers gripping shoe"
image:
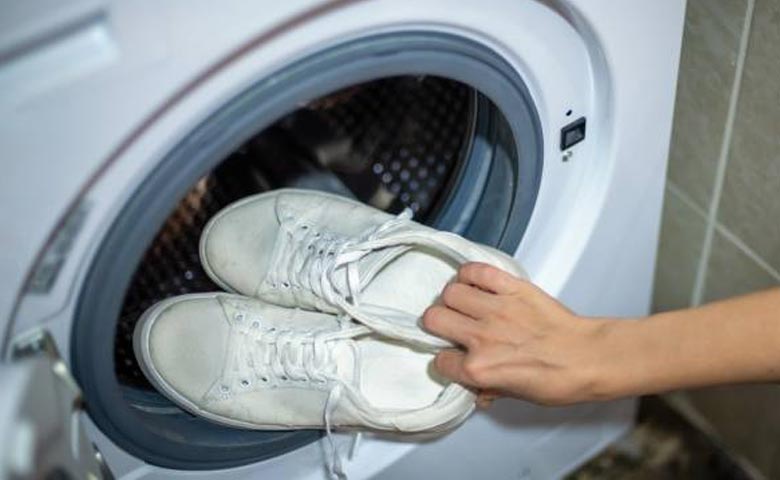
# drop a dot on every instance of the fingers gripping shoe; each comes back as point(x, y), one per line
point(241, 362)
point(317, 251)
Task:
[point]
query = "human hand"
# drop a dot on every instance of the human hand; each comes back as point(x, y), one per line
point(517, 340)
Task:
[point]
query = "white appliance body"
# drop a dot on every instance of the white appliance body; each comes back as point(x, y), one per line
point(94, 93)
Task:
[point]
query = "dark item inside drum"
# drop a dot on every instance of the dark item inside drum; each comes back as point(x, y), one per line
point(391, 143)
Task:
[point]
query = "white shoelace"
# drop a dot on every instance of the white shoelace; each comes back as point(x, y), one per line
point(310, 260)
point(333, 458)
point(281, 357)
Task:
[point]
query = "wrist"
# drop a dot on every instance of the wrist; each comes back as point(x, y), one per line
point(621, 359)
point(647, 355)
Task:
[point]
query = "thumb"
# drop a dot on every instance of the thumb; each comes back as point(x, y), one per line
point(449, 364)
point(485, 398)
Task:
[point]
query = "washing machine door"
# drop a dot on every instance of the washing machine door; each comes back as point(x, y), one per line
point(42, 432)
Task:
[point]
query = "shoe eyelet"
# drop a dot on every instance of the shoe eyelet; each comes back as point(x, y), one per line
point(304, 227)
point(245, 383)
point(238, 317)
point(317, 234)
point(285, 285)
point(264, 379)
point(283, 378)
point(224, 388)
point(272, 329)
point(255, 324)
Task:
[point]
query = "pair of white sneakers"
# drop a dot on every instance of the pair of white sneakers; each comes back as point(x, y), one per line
point(323, 326)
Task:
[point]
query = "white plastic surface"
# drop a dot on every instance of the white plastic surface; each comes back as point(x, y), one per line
point(591, 240)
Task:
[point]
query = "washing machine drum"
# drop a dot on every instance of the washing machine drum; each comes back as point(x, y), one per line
point(431, 144)
point(393, 143)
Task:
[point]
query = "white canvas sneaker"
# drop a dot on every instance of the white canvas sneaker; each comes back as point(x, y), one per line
point(241, 362)
point(307, 249)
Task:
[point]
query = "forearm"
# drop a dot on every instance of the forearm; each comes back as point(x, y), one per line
point(732, 341)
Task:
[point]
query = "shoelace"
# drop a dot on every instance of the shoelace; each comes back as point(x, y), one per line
point(281, 356)
point(310, 262)
point(333, 459)
point(311, 259)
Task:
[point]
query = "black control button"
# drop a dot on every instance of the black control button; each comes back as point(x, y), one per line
point(573, 133)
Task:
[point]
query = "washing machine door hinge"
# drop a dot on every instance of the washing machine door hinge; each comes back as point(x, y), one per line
point(41, 426)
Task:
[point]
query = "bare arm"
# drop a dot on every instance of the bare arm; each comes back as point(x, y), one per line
point(520, 342)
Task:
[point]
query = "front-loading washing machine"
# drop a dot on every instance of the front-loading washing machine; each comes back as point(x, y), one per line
point(538, 127)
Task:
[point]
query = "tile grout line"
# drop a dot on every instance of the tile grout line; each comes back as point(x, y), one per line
point(741, 245)
point(731, 236)
point(720, 174)
point(686, 199)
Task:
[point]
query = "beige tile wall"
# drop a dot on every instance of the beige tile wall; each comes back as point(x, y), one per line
point(721, 228)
